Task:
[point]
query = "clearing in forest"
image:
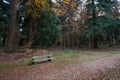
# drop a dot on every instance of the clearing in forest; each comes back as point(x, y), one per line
point(101, 64)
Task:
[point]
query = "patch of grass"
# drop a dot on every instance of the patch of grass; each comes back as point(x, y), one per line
point(77, 56)
point(71, 56)
point(15, 64)
point(69, 51)
point(113, 52)
point(4, 65)
point(23, 62)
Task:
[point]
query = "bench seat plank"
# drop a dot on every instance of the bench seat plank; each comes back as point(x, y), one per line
point(37, 60)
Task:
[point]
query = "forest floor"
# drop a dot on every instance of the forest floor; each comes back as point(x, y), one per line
point(69, 64)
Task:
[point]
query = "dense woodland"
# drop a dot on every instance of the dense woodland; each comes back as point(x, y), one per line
point(60, 23)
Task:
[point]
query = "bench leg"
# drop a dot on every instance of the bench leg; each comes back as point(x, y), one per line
point(49, 59)
point(33, 63)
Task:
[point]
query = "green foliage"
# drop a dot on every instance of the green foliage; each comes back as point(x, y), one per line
point(101, 23)
point(48, 30)
point(105, 5)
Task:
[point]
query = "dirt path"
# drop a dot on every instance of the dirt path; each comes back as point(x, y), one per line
point(51, 71)
point(89, 70)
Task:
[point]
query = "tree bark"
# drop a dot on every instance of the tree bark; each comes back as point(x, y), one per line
point(4, 37)
point(64, 43)
point(95, 39)
point(13, 37)
point(95, 42)
point(110, 41)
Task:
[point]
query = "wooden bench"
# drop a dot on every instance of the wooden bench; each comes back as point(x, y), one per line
point(37, 59)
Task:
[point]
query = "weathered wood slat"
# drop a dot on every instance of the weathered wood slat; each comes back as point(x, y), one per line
point(37, 60)
point(35, 57)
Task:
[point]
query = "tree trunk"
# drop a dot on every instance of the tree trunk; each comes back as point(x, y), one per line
point(95, 42)
point(4, 37)
point(64, 44)
point(110, 42)
point(13, 37)
point(95, 39)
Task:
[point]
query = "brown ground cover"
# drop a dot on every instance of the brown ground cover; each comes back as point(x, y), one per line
point(90, 69)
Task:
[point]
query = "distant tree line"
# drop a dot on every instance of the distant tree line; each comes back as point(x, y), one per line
point(67, 23)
